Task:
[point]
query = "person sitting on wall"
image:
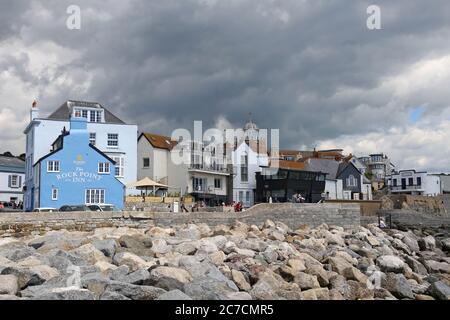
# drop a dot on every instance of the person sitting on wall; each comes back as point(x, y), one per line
point(183, 206)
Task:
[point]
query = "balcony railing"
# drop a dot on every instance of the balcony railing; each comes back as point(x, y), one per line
point(406, 188)
point(203, 167)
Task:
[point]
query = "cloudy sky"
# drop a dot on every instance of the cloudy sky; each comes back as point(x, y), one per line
point(310, 68)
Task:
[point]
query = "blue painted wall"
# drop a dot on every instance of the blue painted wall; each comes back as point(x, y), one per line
point(78, 172)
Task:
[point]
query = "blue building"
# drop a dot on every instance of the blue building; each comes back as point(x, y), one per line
point(76, 172)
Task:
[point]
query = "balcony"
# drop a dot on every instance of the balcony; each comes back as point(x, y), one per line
point(407, 188)
point(208, 168)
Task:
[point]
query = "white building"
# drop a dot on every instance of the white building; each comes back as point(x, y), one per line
point(12, 177)
point(107, 132)
point(333, 189)
point(415, 183)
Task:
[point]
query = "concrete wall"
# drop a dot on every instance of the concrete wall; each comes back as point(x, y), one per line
point(368, 208)
point(294, 215)
point(406, 218)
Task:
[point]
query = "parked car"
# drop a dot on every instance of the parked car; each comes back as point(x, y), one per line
point(45, 210)
point(103, 207)
point(72, 208)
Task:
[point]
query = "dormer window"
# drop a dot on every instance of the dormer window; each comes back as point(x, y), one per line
point(89, 114)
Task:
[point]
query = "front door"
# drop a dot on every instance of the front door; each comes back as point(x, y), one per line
point(403, 183)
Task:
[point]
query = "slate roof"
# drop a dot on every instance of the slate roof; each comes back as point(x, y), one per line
point(330, 167)
point(11, 162)
point(66, 109)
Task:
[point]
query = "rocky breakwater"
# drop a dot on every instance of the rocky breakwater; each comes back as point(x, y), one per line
point(241, 261)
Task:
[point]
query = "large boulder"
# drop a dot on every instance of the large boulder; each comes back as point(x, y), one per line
point(427, 243)
point(440, 290)
point(191, 231)
point(9, 284)
point(135, 292)
point(107, 247)
point(391, 264)
point(131, 260)
point(174, 295)
point(25, 277)
point(178, 274)
point(240, 280)
point(306, 281)
point(69, 293)
point(89, 253)
point(397, 285)
point(205, 288)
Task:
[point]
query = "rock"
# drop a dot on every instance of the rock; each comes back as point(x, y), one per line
point(446, 244)
point(9, 285)
point(339, 264)
point(8, 297)
point(206, 246)
point(217, 258)
point(105, 266)
point(359, 291)
point(190, 232)
point(319, 272)
point(204, 288)
point(352, 273)
point(107, 247)
point(335, 295)
point(89, 253)
point(427, 244)
point(109, 295)
point(131, 260)
point(306, 281)
point(16, 251)
point(139, 277)
point(160, 247)
point(411, 241)
point(25, 277)
point(239, 296)
point(95, 282)
point(245, 252)
point(391, 264)
point(397, 285)
point(316, 294)
point(43, 271)
point(373, 241)
point(174, 295)
point(381, 293)
point(296, 264)
point(135, 292)
point(415, 265)
point(440, 290)
point(178, 274)
point(239, 279)
point(423, 297)
point(187, 247)
point(65, 294)
point(437, 267)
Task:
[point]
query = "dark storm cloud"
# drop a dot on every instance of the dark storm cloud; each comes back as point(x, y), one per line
point(310, 68)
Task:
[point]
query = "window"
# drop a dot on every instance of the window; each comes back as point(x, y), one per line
point(218, 183)
point(92, 138)
point(95, 196)
point(120, 165)
point(95, 116)
point(244, 168)
point(103, 167)
point(351, 181)
point(241, 196)
point(15, 181)
point(247, 196)
point(113, 140)
point(54, 194)
point(394, 182)
point(419, 181)
point(410, 181)
point(146, 162)
point(199, 184)
point(53, 166)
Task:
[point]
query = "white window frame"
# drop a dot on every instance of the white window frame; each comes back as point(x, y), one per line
point(93, 138)
point(114, 138)
point(17, 183)
point(351, 181)
point(119, 171)
point(53, 166)
point(95, 196)
point(104, 168)
point(55, 194)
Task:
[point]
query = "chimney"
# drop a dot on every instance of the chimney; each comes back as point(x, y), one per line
point(34, 113)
